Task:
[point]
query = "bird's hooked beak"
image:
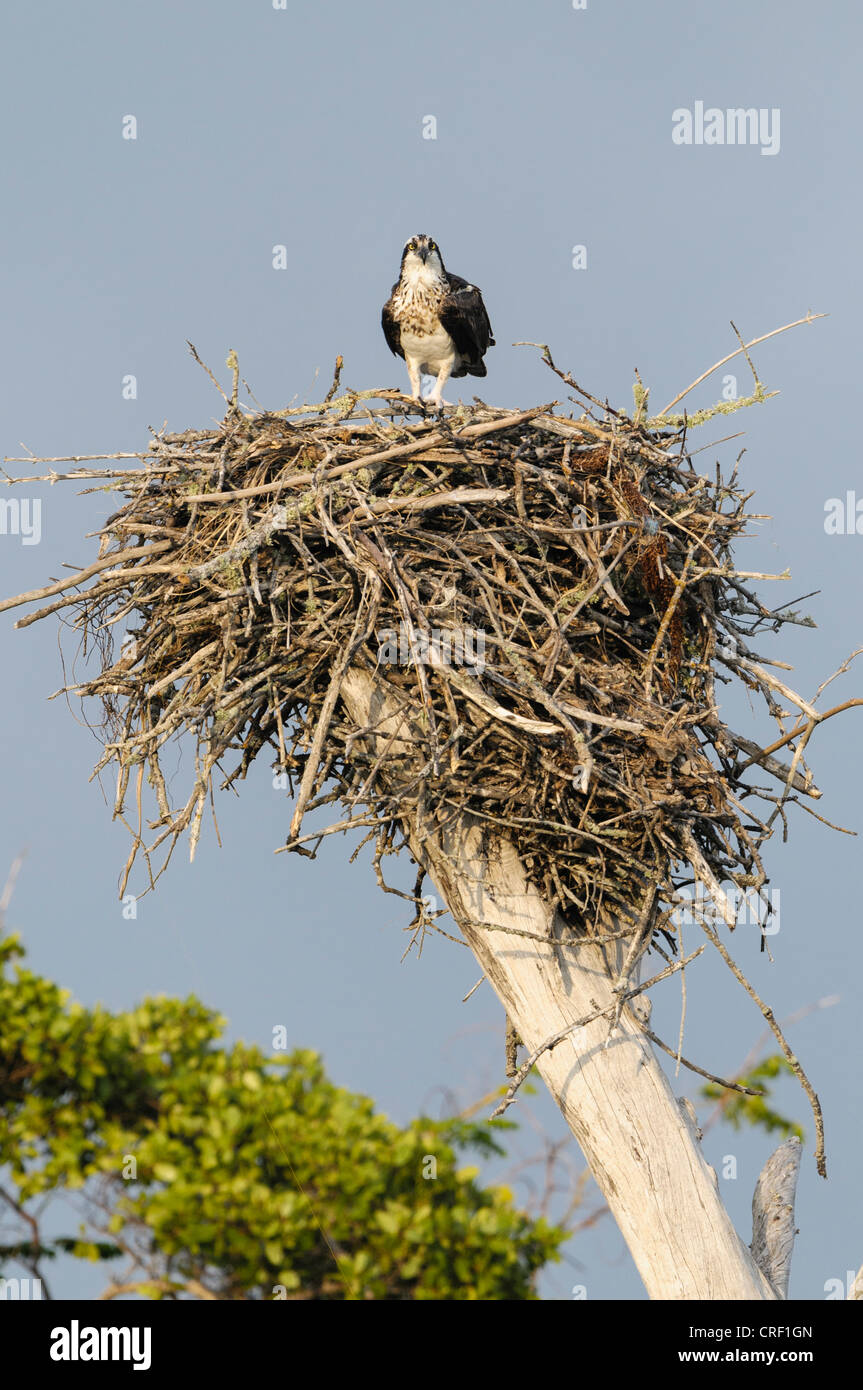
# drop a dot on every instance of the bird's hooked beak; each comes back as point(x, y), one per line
point(423, 252)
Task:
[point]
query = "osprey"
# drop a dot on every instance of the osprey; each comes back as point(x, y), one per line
point(435, 320)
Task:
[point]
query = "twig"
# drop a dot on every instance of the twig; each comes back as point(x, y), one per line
point(337, 373)
point(753, 342)
point(194, 351)
point(108, 562)
point(691, 1066)
point(552, 1042)
point(767, 1012)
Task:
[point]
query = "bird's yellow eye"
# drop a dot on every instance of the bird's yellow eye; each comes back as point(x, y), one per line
point(432, 245)
point(412, 246)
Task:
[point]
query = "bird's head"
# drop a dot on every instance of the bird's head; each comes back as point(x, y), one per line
point(421, 258)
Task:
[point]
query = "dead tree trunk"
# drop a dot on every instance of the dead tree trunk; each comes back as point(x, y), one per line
point(614, 1096)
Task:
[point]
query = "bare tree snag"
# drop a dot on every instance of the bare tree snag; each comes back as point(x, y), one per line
point(612, 1093)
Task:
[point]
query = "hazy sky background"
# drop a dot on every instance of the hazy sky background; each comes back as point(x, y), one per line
point(304, 127)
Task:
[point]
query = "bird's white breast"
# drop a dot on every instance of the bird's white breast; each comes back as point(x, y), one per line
point(416, 304)
point(429, 350)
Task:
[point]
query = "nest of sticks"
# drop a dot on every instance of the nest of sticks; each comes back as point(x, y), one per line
point(552, 597)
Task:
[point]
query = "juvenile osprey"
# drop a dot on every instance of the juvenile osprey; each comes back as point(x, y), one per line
point(436, 321)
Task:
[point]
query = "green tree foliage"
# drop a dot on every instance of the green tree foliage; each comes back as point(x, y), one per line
point(740, 1110)
point(224, 1173)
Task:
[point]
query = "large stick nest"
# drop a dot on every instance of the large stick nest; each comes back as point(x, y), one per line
point(551, 601)
point(553, 597)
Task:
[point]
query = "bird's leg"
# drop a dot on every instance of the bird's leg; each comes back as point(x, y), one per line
point(435, 398)
point(416, 382)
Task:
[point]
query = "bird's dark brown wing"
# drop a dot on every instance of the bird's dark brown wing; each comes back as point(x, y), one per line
point(392, 332)
point(463, 315)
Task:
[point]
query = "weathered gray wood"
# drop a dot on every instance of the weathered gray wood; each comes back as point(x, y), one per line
point(773, 1214)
